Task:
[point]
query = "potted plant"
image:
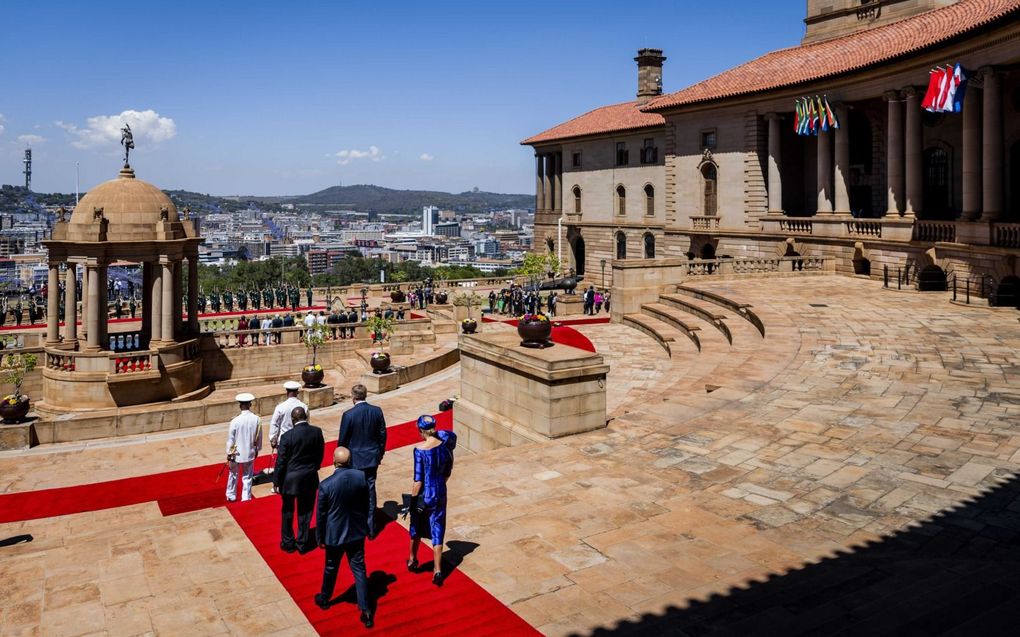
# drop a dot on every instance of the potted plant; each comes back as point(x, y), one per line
point(468, 300)
point(534, 330)
point(15, 367)
point(315, 336)
point(380, 328)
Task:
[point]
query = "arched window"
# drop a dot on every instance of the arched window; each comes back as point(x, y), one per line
point(621, 200)
point(577, 199)
point(709, 175)
point(649, 245)
point(621, 245)
point(649, 200)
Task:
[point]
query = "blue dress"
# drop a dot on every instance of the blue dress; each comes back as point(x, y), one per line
point(432, 467)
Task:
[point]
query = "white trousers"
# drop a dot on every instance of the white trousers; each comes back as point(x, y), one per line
point(247, 470)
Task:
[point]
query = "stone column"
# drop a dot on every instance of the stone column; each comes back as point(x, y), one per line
point(193, 294)
point(155, 308)
point(92, 317)
point(823, 173)
point(146, 301)
point(894, 155)
point(70, 305)
point(167, 306)
point(558, 182)
point(912, 154)
point(775, 174)
point(178, 299)
point(539, 190)
point(53, 304)
point(84, 300)
point(841, 182)
point(991, 159)
point(104, 307)
point(972, 153)
point(547, 182)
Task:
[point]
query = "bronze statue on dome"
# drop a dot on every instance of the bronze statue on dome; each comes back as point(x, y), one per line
point(127, 140)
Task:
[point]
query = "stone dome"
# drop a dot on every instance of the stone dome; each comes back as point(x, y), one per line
point(125, 201)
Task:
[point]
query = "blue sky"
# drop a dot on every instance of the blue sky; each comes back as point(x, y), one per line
point(265, 97)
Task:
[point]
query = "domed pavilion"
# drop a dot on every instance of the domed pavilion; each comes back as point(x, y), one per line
point(124, 219)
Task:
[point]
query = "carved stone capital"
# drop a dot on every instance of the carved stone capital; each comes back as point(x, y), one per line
point(911, 91)
point(891, 96)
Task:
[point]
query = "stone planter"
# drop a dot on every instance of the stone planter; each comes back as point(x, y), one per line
point(380, 363)
point(14, 413)
point(312, 378)
point(468, 326)
point(441, 298)
point(398, 296)
point(535, 334)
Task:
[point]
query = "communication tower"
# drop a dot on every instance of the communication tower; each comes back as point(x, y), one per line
point(28, 168)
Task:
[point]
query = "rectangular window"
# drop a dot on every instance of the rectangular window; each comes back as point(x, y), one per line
point(649, 152)
point(708, 139)
point(622, 156)
point(577, 160)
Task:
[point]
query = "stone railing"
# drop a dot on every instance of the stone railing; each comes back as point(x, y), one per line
point(131, 364)
point(935, 231)
point(1006, 235)
point(862, 228)
point(126, 342)
point(375, 289)
point(795, 226)
point(61, 362)
point(704, 223)
point(757, 265)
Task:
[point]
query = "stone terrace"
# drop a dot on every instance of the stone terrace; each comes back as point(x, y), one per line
point(807, 491)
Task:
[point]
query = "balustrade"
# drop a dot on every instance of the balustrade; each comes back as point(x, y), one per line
point(1006, 235)
point(126, 342)
point(61, 362)
point(796, 226)
point(935, 231)
point(859, 228)
point(132, 364)
point(704, 223)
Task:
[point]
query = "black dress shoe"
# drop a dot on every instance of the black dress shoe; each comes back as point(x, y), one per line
point(321, 601)
point(289, 548)
point(366, 619)
point(437, 578)
point(412, 565)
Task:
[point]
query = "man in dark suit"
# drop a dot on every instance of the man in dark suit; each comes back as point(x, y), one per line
point(363, 431)
point(341, 527)
point(296, 477)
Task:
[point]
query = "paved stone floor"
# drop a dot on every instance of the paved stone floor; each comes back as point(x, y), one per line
point(854, 471)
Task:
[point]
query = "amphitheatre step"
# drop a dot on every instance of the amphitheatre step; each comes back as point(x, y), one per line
point(663, 333)
point(743, 310)
point(676, 318)
point(703, 310)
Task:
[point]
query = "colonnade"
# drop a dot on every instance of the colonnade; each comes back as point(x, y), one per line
point(549, 182)
point(983, 151)
point(162, 320)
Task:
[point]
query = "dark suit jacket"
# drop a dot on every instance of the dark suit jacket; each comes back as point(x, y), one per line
point(342, 515)
point(298, 459)
point(363, 431)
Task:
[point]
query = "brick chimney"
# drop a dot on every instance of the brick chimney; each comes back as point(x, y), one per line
point(649, 73)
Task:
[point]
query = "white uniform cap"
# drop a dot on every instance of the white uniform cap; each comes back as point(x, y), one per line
point(244, 398)
point(291, 385)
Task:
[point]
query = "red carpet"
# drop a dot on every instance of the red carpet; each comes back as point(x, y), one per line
point(562, 333)
point(175, 491)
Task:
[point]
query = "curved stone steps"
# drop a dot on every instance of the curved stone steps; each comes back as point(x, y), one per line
point(743, 310)
point(667, 336)
point(707, 312)
point(676, 319)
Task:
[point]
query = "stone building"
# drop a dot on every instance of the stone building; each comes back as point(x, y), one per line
point(725, 173)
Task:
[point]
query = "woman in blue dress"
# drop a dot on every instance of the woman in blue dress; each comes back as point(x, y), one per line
point(433, 463)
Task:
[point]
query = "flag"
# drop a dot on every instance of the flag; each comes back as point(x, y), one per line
point(945, 78)
point(797, 116)
point(814, 117)
point(823, 116)
point(960, 90)
point(832, 114)
point(932, 94)
point(805, 120)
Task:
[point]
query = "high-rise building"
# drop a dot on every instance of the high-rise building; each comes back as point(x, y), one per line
point(429, 217)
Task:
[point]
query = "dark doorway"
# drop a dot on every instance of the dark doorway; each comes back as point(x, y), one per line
point(649, 245)
point(861, 162)
point(1007, 294)
point(932, 279)
point(936, 202)
point(862, 265)
point(708, 251)
point(711, 205)
point(621, 245)
point(577, 246)
point(1014, 182)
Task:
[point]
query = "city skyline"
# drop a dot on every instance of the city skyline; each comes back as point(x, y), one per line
point(273, 102)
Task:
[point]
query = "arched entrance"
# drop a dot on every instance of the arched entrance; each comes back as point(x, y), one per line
point(577, 254)
point(1007, 293)
point(707, 251)
point(936, 196)
point(932, 278)
point(649, 245)
point(621, 245)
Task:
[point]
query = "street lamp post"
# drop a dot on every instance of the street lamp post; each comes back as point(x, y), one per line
point(603, 274)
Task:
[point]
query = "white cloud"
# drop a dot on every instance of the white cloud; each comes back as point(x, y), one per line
point(426, 157)
point(373, 153)
point(29, 140)
point(2, 120)
point(104, 130)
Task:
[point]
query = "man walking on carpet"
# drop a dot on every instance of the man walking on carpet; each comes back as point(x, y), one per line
point(341, 527)
point(297, 477)
point(363, 432)
point(281, 422)
point(244, 441)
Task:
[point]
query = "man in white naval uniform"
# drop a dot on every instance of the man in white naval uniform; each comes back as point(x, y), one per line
point(244, 441)
point(281, 424)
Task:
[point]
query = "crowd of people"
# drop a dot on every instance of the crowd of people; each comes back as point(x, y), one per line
point(515, 301)
point(345, 502)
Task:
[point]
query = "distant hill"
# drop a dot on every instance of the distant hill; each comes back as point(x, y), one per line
point(367, 198)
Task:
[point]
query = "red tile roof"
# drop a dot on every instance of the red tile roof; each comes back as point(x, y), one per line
point(605, 119)
point(796, 65)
